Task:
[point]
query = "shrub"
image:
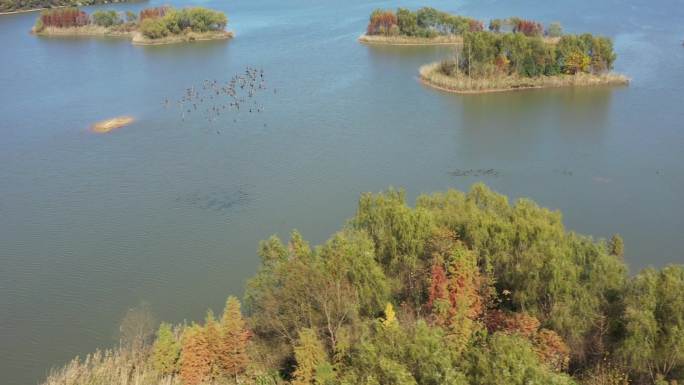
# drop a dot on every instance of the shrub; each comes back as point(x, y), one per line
point(555, 30)
point(106, 18)
point(153, 28)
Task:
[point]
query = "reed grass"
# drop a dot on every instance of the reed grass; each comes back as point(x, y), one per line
point(109, 367)
point(431, 75)
point(411, 40)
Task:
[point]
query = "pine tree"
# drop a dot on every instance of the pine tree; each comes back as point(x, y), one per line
point(311, 358)
point(195, 356)
point(165, 351)
point(212, 334)
point(234, 338)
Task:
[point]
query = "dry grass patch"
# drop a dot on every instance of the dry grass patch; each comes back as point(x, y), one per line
point(410, 40)
point(431, 75)
point(140, 39)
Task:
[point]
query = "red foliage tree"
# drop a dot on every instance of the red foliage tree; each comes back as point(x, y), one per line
point(475, 25)
point(381, 23)
point(151, 13)
point(528, 27)
point(64, 18)
point(548, 345)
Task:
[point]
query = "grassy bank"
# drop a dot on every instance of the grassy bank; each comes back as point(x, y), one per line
point(411, 40)
point(86, 30)
point(417, 40)
point(140, 39)
point(431, 75)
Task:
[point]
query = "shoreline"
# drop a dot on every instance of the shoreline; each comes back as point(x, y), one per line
point(135, 37)
point(25, 11)
point(401, 40)
point(410, 41)
point(429, 76)
point(139, 39)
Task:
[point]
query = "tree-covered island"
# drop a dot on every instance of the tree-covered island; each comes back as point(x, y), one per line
point(152, 26)
point(509, 54)
point(491, 61)
point(462, 289)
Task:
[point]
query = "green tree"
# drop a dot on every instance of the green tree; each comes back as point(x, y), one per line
point(510, 360)
point(106, 18)
point(554, 30)
point(653, 319)
point(399, 235)
point(166, 351)
point(234, 337)
point(313, 366)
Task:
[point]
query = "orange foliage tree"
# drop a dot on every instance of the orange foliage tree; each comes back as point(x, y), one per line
point(548, 345)
point(195, 356)
point(382, 23)
point(456, 295)
point(528, 27)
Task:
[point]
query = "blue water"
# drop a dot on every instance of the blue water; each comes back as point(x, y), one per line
point(169, 211)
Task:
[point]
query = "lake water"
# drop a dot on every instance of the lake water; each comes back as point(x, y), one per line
point(170, 211)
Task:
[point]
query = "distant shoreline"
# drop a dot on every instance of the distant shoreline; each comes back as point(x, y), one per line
point(431, 77)
point(25, 11)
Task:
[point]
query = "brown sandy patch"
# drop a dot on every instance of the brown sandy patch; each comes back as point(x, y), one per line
point(108, 125)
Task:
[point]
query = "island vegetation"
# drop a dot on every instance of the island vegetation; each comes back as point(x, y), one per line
point(463, 288)
point(492, 61)
point(14, 6)
point(424, 26)
point(152, 26)
point(428, 26)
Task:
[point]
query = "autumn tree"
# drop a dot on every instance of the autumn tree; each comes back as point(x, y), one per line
point(234, 337)
point(166, 351)
point(382, 23)
point(456, 299)
point(196, 356)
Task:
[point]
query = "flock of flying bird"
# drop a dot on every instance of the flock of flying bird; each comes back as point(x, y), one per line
point(214, 98)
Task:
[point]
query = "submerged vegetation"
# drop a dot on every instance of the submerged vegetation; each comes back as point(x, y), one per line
point(159, 25)
point(465, 288)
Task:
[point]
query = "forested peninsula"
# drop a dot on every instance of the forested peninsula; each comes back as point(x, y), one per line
point(14, 6)
point(152, 26)
point(462, 288)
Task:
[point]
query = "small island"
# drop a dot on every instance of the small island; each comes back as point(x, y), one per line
point(152, 26)
point(108, 125)
point(426, 26)
point(525, 58)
